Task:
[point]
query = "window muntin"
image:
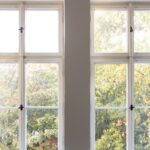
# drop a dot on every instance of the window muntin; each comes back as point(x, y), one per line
point(9, 31)
point(110, 31)
point(42, 31)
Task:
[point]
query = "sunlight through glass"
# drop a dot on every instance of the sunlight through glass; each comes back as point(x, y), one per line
point(42, 31)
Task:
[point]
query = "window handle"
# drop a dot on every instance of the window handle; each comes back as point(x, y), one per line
point(131, 107)
point(21, 29)
point(131, 29)
point(21, 107)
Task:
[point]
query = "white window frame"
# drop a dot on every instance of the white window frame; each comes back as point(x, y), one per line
point(129, 58)
point(21, 58)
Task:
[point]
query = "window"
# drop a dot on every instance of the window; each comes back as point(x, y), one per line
point(120, 83)
point(31, 90)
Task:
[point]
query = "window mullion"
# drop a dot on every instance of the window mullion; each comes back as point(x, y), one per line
point(93, 110)
point(132, 73)
point(130, 34)
point(22, 81)
point(130, 113)
point(130, 96)
point(60, 108)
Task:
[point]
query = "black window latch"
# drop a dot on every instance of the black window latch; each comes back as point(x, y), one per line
point(21, 107)
point(131, 107)
point(131, 29)
point(21, 29)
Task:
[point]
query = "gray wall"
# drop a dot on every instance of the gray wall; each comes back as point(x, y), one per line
point(77, 75)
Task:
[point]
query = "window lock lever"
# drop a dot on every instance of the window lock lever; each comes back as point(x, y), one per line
point(21, 107)
point(21, 29)
point(131, 107)
point(131, 29)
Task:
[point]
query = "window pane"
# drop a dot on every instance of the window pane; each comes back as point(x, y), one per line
point(110, 31)
point(142, 84)
point(9, 33)
point(110, 130)
point(42, 84)
point(42, 129)
point(42, 31)
point(9, 136)
point(110, 84)
point(9, 84)
point(142, 31)
point(142, 129)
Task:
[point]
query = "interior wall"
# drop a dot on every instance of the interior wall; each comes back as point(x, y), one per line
point(77, 75)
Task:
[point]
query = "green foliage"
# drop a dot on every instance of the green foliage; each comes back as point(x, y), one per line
point(142, 31)
point(42, 129)
point(110, 140)
point(110, 85)
point(41, 90)
point(108, 30)
point(110, 90)
point(110, 81)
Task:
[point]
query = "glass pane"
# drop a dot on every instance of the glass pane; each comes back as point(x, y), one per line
point(110, 84)
point(142, 84)
point(110, 31)
point(9, 95)
point(9, 33)
point(110, 130)
point(142, 31)
point(42, 129)
point(42, 84)
point(142, 129)
point(42, 27)
point(9, 131)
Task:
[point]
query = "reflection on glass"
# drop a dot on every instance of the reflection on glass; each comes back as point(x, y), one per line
point(9, 33)
point(8, 84)
point(110, 84)
point(42, 31)
point(9, 131)
point(42, 129)
point(142, 129)
point(142, 84)
point(110, 130)
point(110, 31)
point(42, 84)
point(141, 31)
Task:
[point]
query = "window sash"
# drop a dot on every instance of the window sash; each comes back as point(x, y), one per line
point(22, 57)
point(130, 58)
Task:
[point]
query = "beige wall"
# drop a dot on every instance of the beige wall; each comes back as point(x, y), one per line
point(77, 75)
